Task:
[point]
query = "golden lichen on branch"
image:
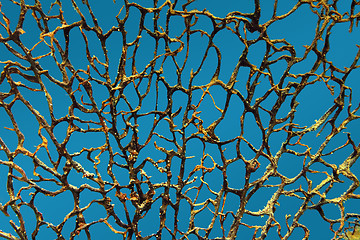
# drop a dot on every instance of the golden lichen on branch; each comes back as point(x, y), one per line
point(146, 124)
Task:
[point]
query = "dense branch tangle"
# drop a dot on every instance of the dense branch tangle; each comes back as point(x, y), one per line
point(140, 164)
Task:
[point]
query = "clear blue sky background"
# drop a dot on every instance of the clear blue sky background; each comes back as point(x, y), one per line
point(298, 30)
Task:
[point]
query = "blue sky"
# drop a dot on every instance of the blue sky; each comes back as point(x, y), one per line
point(298, 29)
